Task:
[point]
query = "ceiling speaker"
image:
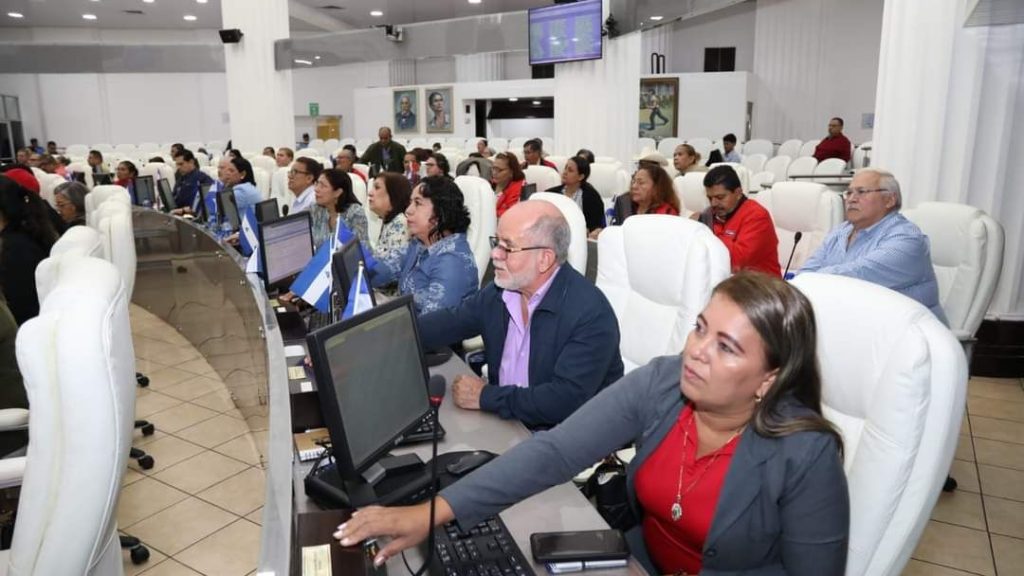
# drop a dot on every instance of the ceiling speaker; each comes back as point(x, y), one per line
point(231, 36)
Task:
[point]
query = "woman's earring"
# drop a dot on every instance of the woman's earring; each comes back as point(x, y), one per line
point(757, 398)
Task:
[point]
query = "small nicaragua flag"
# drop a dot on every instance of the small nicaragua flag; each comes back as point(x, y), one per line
point(211, 206)
point(249, 238)
point(358, 296)
point(343, 235)
point(314, 282)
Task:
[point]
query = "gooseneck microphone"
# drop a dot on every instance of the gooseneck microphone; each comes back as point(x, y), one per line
point(284, 210)
point(796, 240)
point(435, 390)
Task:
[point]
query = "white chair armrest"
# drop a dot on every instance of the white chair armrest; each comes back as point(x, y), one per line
point(13, 419)
point(12, 471)
point(473, 344)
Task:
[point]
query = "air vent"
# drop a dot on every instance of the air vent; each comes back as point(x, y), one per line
point(137, 12)
point(333, 7)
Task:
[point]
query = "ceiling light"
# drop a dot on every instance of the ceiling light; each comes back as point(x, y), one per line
point(88, 16)
point(306, 62)
point(15, 14)
point(513, 99)
point(316, 57)
point(536, 102)
point(201, 1)
point(189, 17)
point(475, 1)
point(149, 1)
point(376, 13)
point(656, 18)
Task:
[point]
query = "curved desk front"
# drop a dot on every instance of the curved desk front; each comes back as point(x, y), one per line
point(194, 283)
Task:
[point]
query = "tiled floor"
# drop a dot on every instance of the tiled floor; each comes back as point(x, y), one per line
point(198, 509)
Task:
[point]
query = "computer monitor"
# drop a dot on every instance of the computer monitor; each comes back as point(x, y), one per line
point(227, 210)
point(266, 211)
point(372, 382)
point(345, 266)
point(199, 202)
point(286, 246)
point(166, 194)
point(103, 179)
point(144, 193)
point(78, 177)
point(527, 191)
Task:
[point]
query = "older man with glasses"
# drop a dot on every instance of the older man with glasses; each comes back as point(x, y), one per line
point(551, 338)
point(878, 244)
point(301, 177)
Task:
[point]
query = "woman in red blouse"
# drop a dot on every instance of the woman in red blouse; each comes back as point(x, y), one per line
point(508, 180)
point(650, 193)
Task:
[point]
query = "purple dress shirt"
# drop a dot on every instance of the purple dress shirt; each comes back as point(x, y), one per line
point(515, 358)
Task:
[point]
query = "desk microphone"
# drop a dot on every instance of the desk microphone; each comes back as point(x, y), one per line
point(796, 240)
point(435, 390)
point(284, 210)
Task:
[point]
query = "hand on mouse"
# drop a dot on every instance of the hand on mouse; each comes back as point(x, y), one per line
point(406, 526)
point(466, 390)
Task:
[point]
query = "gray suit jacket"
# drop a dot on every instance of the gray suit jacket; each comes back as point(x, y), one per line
point(784, 508)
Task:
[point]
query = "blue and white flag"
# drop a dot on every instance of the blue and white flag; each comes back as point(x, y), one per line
point(249, 238)
point(342, 234)
point(211, 206)
point(314, 282)
point(358, 296)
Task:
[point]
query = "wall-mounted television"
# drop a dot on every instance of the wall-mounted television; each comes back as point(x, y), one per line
point(566, 33)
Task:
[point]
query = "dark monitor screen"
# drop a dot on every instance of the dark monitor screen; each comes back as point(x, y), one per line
point(286, 246)
point(144, 193)
point(345, 263)
point(566, 32)
point(103, 179)
point(78, 177)
point(227, 209)
point(372, 382)
point(266, 211)
point(166, 194)
point(199, 202)
point(527, 191)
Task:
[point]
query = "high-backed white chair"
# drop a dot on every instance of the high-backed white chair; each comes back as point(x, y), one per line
point(667, 146)
point(215, 146)
point(543, 176)
point(704, 146)
point(79, 240)
point(547, 143)
point(778, 166)
point(363, 143)
point(754, 162)
point(515, 145)
point(806, 207)
point(308, 153)
point(113, 221)
point(149, 147)
point(967, 254)
point(690, 190)
point(77, 362)
point(757, 181)
point(262, 179)
point(559, 162)
point(645, 146)
point(47, 184)
point(896, 392)
point(609, 180)
point(577, 227)
point(77, 150)
point(661, 303)
point(359, 188)
point(802, 166)
point(758, 146)
point(741, 171)
point(82, 168)
point(279, 187)
point(265, 162)
point(102, 147)
point(101, 194)
point(481, 203)
point(790, 148)
point(158, 170)
point(862, 155)
point(830, 167)
point(499, 144)
point(807, 149)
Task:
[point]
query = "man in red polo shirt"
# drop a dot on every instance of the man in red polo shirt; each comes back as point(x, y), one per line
point(744, 226)
point(835, 145)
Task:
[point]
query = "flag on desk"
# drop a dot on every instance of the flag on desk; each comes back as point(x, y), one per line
point(249, 240)
point(314, 282)
point(343, 234)
point(211, 206)
point(358, 296)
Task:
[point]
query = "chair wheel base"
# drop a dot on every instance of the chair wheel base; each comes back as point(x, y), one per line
point(148, 430)
point(141, 379)
point(146, 462)
point(950, 484)
point(139, 554)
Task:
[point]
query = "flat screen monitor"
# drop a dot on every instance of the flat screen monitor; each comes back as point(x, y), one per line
point(527, 191)
point(166, 194)
point(145, 195)
point(372, 382)
point(345, 267)
point(103, 179)
point(227, 209)
point(267, 211)
point(566, 32)
point(286, 246)
point(78, 177)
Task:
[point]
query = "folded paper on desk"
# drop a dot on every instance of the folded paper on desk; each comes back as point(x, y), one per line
point(307, 444)
point(294, 351)
point(316, 529)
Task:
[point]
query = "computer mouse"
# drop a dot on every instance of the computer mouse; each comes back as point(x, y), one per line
point(469, 462)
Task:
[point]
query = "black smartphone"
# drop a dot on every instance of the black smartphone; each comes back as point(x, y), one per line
point(580, 546)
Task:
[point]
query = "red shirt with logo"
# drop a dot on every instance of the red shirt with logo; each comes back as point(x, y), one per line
point(749, 235)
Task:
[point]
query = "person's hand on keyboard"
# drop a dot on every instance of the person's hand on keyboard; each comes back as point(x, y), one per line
point(466, 391)
point(406, 526)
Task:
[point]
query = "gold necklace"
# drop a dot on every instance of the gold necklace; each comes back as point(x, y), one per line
point(676, 511)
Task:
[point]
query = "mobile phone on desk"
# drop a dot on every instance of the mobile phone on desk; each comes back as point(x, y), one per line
point(590, 549)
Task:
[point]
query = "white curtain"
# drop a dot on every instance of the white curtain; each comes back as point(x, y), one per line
point(949, 120)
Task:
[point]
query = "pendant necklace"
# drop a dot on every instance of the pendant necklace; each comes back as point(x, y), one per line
point(676, 511)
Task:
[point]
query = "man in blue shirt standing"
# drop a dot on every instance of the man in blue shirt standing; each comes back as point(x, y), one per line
point(878, 244)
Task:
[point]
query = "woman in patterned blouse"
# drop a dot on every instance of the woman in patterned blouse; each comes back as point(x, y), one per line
point(388, 199)
point(334, 200)
point(437, 267)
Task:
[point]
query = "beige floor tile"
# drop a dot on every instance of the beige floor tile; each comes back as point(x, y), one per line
point(256, 516)
point(994, 408)
point(198, 366)
point(994, 429)
point(1001, 482)
point(964, 449)
point(961, 508)
point(148, 349)
point(166, 452)
point(200, 472)
point(155, 557)
point(169, 354)
point(218, 400)
point(152, 402)
point(966, 475)
point(147, 367)
point(182, 525)
point(193, 388)
point(1009, 555)
point(997, 388)
point(171, 568)
point(1005, 454)
point(232, 551)
point(956, 547)
point(140, 440)
point(180, 417)
point(142, 499)
point(166, 377)
point(919, 568)
point(130, 477)
point(1005, 517)
point(240, 494)
point(242, 448)
point(215, 431)
point(965, 424)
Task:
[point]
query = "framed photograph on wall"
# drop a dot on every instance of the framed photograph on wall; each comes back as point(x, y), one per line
point(659, 108)
point(438, 117)
point(406, 105)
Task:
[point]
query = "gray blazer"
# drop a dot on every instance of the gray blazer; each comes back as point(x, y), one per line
point(784, 508)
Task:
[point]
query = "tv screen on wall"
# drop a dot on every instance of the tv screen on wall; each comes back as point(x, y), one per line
point(566, 33)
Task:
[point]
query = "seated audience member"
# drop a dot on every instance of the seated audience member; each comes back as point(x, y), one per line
point(587, 154)
point(551, 337)
point(508, 180)
point(533, 154)
point(239, 178)
point(48, 164)
point(388, 199)
point(24, 177)
point(878, 244)
point(301, 177)
point(189, 180)
point(70, 200)
point(26, 235)
point(686, 159)
point(51, 148)
point(12, 388)
point(345, 161)
point(62, 166)
point(744, 226)
point(284, 157)
point(125, 175)
point(22, 155)
point(436, 147)
point(736, 471)
point(95, 161)
point(203, 152)
point(335, 200)
point(437, 165)
point(729, 146)
point(650, 193)
point(385, 153)
point(34, 159)
point(176, 149)
point(437, 267)
point(482, 148)
point(269, 152)
point(33, 145)
point(835, 145)
point(412, 168)
point(714, 157)
point(304, 143)
point(484, 167)
point(575, 186)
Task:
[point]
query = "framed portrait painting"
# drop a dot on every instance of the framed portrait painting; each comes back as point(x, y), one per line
point(406, 105)
point(438, 110)
point(659, 108)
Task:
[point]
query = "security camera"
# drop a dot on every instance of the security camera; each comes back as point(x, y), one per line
point(394, 33)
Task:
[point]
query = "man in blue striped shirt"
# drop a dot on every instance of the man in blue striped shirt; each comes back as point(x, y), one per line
point(877, 244)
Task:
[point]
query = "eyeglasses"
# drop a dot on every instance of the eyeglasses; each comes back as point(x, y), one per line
point(294, 172)
point(505, 250)
point(858, 192)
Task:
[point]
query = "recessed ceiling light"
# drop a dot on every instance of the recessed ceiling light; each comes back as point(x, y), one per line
point(513, 99)
point(475, 1)
point(89, 16)
point(201, 1)
point(656, 18)
point(149, 1)
point(316, 57)
point(376, 13)
point(536, 102)
point(15, 14)
point(300, 61)
point(189, 17)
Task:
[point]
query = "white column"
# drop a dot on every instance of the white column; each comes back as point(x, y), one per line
point(259, 96)
point(402, 72)
point(487, 67)
point(949, 112)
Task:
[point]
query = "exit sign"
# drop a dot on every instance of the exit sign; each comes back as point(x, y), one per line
point(314, 109)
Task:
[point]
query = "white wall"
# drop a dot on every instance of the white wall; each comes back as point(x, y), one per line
point(733, 26)
point(712, 105)
point(334, 90)
point(520, 128)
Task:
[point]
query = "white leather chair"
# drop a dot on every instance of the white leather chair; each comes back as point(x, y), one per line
point(778, 166)
point(894, 382)
point(113, 221)
point(807, 149)
point(802, 166)
point(741, 171)
point(481, 203)
point(215, 146)
point(262, 179)
point(77, 362)
point(499, 144)
point(754, 162)
point(610, 160)
point(862, 155)
point(125, 149)
point(158, 170)
point(47, 184)
point(331, 144)
point(757, 181)
point(454, 142)
point(758, 146)
point(80, 240)
point(645, 146)
point(317, 143)
point(543, 177)
point(279, 187)
point(103, 147)
point(364, 168)
point(790, 148)
point(547, 143)
point(83, 168)
point(150, 147)
point(516, 145)
point(690, 190)
point(967, 254)
point(363, 143)
point(806, 207)
point(559, 162)
point(609, 180)
point(657, 305)
point(830, 167)
point(577, 227)
point(266, 163)
point(101, 194)
point(76, 150)
point(309, 153)
point(703, 146)
point(667, 146)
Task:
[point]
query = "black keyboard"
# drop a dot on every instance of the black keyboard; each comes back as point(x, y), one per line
point(487, 549)
point(423, 433)
point(318, 320)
